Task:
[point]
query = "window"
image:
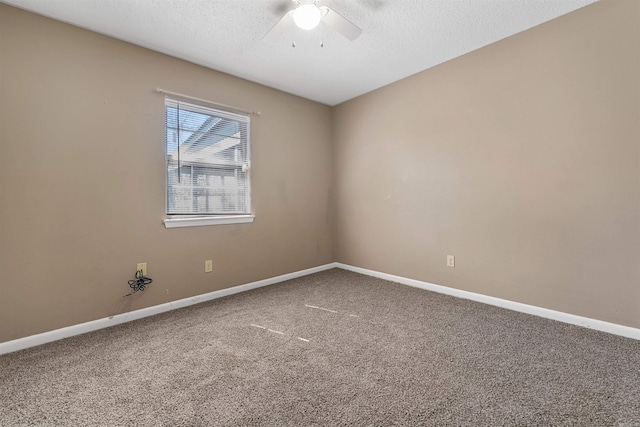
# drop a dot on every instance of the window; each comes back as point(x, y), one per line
point(208, 163)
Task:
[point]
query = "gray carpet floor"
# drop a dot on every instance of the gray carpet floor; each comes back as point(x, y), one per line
point(334, 348)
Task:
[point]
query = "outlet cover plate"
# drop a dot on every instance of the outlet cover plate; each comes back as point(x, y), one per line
point(451, 261)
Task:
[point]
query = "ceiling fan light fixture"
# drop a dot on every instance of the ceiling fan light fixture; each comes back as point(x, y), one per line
point(307, 16)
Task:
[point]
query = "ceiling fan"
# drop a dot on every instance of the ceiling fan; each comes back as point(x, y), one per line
point(308, 15)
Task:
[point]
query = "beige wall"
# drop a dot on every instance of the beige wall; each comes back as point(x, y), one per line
point(82, 179)
point(521, 159)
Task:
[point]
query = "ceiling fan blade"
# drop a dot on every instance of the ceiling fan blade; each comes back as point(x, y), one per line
point(281, 26)
point(280, 7)
point(340, 23)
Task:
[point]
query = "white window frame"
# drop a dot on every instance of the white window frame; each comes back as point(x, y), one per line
point(198, 219)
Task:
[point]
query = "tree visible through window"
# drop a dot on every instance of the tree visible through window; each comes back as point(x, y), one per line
point(207, 160)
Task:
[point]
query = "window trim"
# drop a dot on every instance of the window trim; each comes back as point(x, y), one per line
point(196, 221)
point(202, 219)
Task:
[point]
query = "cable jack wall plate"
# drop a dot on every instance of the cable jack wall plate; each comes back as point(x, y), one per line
point(142, 266)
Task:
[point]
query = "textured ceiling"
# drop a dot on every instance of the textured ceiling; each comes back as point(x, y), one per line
point(400, 37)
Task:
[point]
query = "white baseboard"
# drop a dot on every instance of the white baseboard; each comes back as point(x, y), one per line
point(69, 331)
point(45, 337)
point(612, 328)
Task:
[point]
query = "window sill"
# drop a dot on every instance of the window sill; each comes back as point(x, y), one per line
point(207, 220)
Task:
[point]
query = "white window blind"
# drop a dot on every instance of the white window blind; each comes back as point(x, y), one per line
point(208, 160)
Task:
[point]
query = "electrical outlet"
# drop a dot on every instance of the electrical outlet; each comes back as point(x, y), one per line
point(451, 261)
point(142, 266)
point(208, 266)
